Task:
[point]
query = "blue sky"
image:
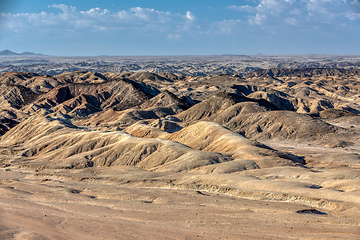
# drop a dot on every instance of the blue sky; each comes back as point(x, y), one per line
point(172, 27)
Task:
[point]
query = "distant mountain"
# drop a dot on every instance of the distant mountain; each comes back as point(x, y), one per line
point(30, 53)
point(9, 53)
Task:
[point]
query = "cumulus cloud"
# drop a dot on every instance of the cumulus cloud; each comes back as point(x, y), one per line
point(70, 18)
point(146, 14)
point(258, 19)
point(95, 12)
point(300, 12)
point(190, 16)
point(64, 8)
point(246, 8)
point(254, 15)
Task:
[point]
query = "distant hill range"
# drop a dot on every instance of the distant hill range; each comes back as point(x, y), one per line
point(11, 53)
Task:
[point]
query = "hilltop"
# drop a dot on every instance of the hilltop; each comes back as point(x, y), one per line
point(247, 152)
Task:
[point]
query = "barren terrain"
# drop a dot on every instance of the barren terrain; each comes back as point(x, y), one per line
point(184, 65)
point(258, 153)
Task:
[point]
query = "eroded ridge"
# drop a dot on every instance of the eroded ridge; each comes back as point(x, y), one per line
point(277, 148)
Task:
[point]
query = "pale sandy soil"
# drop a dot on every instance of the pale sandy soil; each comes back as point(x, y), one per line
point(98, 205)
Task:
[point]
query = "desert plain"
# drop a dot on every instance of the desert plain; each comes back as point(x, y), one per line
point(217, 147)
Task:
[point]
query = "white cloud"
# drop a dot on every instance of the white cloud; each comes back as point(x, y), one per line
point(147, 14)
point(141, 13)
point(258, 19)
point(123, 15)
point(254, 15)
point(64, 8)
point(95, 12)
point(303, 13)
point(70, 18)
point(246, 8)
point(190, 16)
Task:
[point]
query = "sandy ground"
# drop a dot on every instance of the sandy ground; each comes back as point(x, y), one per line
point(36, 205)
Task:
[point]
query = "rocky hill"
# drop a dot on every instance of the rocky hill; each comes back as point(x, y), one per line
point(284, 136)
